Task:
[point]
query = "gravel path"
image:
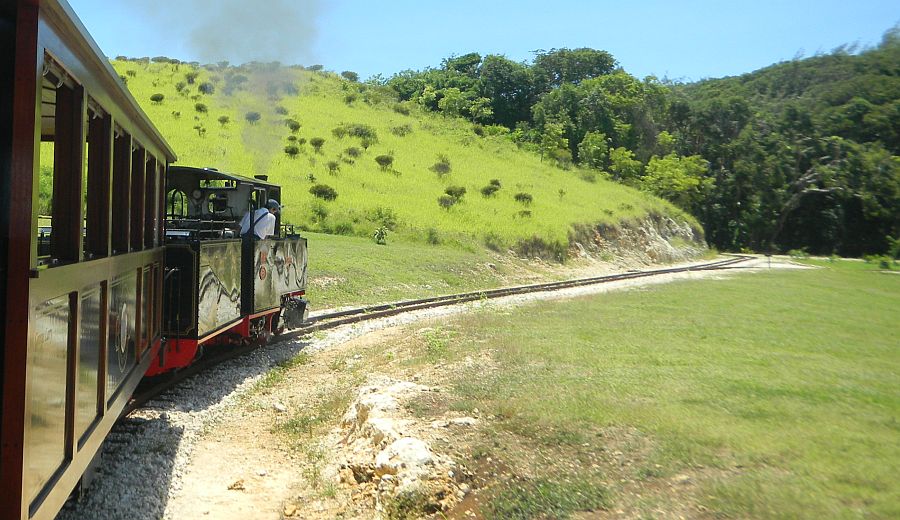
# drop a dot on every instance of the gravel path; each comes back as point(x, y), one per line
point(146, 455)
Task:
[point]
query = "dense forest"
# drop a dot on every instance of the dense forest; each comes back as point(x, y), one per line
point(799, 155)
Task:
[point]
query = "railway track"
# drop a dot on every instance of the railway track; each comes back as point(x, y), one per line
point(149, 391)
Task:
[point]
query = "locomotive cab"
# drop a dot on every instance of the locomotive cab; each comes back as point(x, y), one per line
point(222, 289)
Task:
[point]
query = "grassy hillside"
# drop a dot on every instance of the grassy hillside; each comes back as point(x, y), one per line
point(403, 197)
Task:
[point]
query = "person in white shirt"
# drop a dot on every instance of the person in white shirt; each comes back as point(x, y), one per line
point(263, 220)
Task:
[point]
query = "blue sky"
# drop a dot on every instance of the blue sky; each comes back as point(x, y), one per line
point(682, 40)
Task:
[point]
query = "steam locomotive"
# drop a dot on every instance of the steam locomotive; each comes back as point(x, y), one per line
point(136, 270)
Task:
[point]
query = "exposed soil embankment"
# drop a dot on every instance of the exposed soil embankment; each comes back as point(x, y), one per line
point(654, 239)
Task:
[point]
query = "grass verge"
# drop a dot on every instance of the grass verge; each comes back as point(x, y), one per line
point(765, 395)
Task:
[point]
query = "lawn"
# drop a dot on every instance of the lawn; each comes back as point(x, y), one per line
point(771, 394)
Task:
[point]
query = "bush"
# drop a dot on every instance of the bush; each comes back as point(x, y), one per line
point(224, 120)
point(201, 130)
point(349, 75)
point(442, 166)
point(201, 108)
point(401, 109)
point(456, 192)
point(524, 198)
point(383, 217)
point(176, 114)
point(361, 131)
point(478, 130)
point(317, 143)
point(293, 125)
point(446, 201)
point(280, 110)
point(495, 182)
point(206, 88)
point(292, 150)
point(353, 152)
point(333, 167)
point(384, 161)
point(350, 98)
point(292, 138)
point(525, 213)
point(432, 237)
point(180, 86)
point(157, 98)
point(323, 191)
point(252, 117)
point(489, 191)
point(402, 130)
point(380, 236)
point(190, 77)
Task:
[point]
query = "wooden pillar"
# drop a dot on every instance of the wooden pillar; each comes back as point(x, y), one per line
point(99, 186)
point(68, 173)
point(121, 214)
point(138, 170)
point(21, 255)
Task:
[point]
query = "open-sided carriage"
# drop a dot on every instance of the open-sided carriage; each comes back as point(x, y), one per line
point(80, 289)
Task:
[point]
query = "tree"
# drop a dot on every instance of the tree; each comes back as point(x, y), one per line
point(292, 150)
point(317, 143)
point(510, 88)
point(157, 99)
point(201, 108)
point(224, 120)
point(252, 117)
point(681, 180)
point(206, 88)
point(349, 75)
point(191, 76)
point(593, 150)
point(623, 165)
point(552, 140)
point(558, 66)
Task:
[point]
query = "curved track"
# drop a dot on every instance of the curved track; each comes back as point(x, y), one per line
point(335, 319)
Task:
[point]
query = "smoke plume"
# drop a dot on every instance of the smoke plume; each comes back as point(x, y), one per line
point(240, 31)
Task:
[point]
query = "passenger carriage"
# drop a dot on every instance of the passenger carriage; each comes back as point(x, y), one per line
point(82, 173)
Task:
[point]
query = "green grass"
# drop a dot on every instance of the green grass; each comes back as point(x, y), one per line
point(776, 391)
point(404, 199)
point(354, 271)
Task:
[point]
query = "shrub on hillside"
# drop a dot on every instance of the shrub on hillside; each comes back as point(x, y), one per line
point(402, 130)
point(180, 86)
point(446, 201)
point(349, 75)
point(252, 117)
point(489, 191)
point(176, 114)
point(224, 120)
point(432, 236)
point(442, 166)
point(457, 192)
point(400, 108)
point(384, 161)
point(317, 143)
point(131, 73)
point(280, 110)
point(353, 152)
point(201, 130)
point(191, 77)
point(356, 130)
point(523, 198)
point(350, 98)
point(206, 88)
point(292, 138)
point(333, 167)
point(323, 191)
point(201, 108)
point(156, 99)
point(292, 150)
point(495, 182)
point(293, 125)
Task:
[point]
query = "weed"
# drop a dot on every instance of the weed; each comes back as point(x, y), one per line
point(547, 498)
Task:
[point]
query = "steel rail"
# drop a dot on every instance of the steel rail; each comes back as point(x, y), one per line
point(335, 319)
